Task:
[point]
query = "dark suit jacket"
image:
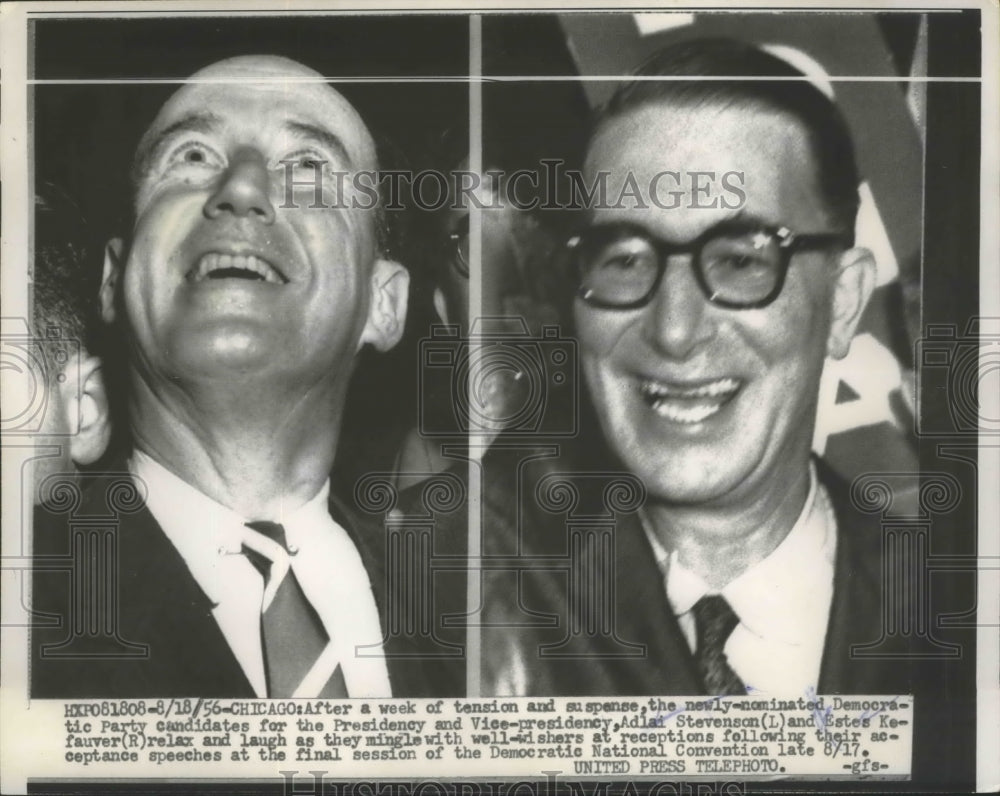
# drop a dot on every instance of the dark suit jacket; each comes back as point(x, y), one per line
point(132, 622)
point(657, 660)
point(647, 652)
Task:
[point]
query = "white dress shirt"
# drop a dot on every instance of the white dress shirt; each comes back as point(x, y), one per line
point(327, 565)
point(783, 602)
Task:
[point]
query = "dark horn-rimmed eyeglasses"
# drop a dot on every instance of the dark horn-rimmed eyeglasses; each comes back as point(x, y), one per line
point(737, 265)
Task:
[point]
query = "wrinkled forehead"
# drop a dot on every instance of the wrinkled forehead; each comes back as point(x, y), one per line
point(257, 92)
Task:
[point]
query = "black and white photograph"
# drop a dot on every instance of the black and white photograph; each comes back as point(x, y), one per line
point(492, 399)
point(745, 330)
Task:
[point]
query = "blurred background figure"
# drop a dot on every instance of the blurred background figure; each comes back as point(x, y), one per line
point(75, 428)
point(520, 228)
point(513, 247)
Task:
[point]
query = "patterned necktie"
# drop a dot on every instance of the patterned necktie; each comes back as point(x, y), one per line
point(292, 634)
point(714, 620)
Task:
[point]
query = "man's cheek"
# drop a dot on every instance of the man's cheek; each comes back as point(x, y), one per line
point(138, 306)
point(781, 333)
point(146, 198)
point(607, 390)
point(597, 337)
point(144, 288)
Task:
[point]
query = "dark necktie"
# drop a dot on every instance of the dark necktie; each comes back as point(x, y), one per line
point(292, 634)
point(714, 620)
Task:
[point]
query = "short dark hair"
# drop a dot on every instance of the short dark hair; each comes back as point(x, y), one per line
point(791, 93)
point(392, 231)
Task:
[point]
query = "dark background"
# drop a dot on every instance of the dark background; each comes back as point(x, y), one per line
point(85, 134)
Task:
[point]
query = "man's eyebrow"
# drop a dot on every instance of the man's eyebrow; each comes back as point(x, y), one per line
point(323, 137)
point(198, 122)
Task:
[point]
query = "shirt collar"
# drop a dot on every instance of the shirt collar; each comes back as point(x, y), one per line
point(773, 595)
point(203, 530)
point(307, 518)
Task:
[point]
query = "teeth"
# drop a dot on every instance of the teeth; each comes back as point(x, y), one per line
point(689, 405)
point(216, 262)
point(680, 414)
point(711, 390)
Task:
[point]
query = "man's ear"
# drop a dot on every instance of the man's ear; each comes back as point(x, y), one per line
point(86, 411)
point(440, 305)
point(854, 284)
point(114, 254)
point(390, 292)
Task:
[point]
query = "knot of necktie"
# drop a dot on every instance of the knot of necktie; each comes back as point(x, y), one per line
point(273, 531)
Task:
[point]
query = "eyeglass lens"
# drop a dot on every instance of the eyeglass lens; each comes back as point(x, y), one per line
point(737, 268)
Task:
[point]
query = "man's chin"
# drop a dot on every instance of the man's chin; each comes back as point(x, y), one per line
point(227, 353)
point(700, 480)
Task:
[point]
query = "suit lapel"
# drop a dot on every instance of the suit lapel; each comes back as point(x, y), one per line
point(370, 543)
point(645, 616)
point(855, 612)
point(856, 608)
point(163, 606)
point(855, 603)
point(155, 602)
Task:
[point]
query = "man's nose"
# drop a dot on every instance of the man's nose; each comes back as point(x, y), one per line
point(679, 318)
point(244, 189)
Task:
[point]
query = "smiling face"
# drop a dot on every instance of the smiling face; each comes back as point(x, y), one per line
point(711, 405)
point(227, 273)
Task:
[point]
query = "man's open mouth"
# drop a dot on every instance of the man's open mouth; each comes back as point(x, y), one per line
point(235, 266)
point(689, 403)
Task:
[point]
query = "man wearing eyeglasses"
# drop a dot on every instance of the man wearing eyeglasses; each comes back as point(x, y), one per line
point(703, 325)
